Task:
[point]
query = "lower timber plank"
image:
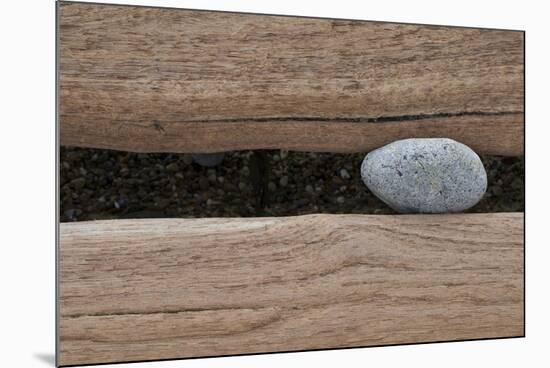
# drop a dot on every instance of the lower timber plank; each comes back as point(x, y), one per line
point(175, 288)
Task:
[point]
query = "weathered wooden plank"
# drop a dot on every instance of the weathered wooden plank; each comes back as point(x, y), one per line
point(173, 288)
point(480, 133)
point(151, 79)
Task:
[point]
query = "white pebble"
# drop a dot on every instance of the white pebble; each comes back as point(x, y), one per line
point(430, 175)
point(344, 174)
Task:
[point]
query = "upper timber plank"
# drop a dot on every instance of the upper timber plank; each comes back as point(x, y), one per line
point(150, 79)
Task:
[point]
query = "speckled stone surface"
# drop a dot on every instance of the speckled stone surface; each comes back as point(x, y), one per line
point(425, 175)
point(208, 159)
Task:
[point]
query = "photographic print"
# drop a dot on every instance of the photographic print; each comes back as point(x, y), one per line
point(233, 183)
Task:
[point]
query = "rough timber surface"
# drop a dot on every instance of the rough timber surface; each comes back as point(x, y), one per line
point(167, 80)
point(175, 288)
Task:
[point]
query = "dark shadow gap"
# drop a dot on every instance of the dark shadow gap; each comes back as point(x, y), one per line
point(105, 184)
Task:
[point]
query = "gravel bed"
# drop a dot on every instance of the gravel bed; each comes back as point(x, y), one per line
point(103, 184)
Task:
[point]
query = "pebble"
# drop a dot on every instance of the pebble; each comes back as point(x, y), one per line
point(78, 183)
point(146, 179)
point(124, 171)
point(344, 174)
point(302, 202)
point(309, 188)
point(284, 181)
point(425, 175)
point(121, 203)
point(208, 159)
point(187, 159)
point(271, 186)
point(203, 183)
point(173, 167)
point(340, 199)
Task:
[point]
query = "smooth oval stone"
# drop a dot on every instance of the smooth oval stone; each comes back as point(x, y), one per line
point(208, 159)
point(427, 175)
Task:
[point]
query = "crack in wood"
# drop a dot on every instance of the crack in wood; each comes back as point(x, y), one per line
point(379, 119)
point(168, 311)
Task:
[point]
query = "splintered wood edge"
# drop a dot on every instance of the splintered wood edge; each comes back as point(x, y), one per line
point(167, 80)
point(150, 289)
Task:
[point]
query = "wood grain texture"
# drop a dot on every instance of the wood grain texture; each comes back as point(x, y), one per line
point(174, 288)
point(151, 80)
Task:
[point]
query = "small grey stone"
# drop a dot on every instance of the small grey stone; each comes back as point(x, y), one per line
point(271, 186)
point(428, 175)
point(70, 213)
point(208, 159)
point(173, 167)
point(203, 183)
point(187, 159)
point(284, 181)
point(344, 174)
point(124, 171)
point(120, 203)
point(309, 188)
point(78, 183)
point(340, 199)
point(301, 202)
